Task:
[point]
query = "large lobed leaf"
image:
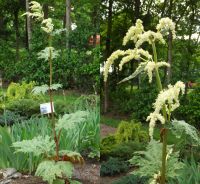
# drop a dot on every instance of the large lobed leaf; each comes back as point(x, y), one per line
point(50, 170)
point(45, 88)
point(150, 161)
point(181, 128)
point(38, 145)
point(69, 121)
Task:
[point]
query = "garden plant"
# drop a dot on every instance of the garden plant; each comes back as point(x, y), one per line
point(160, 163)
point(57, 165)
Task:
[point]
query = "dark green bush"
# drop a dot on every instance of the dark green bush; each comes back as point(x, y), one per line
point(138, 102)
point(24, 107)
point(113, 166)
point(9, 118)
point(189, 109)
point(131, 179)
point(110, 148)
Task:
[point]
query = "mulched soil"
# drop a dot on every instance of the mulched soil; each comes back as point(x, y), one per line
point(28, 180)
point(89, 173)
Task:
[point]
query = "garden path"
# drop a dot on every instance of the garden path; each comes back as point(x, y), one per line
point(106, 130)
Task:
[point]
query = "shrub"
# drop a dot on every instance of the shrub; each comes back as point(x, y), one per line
point(138, 102)
point(17, 91)
point(190, 110)
point(24, 107)
point(113, 166)
point(110, 148)
point(130, 131)
point(9, 118)
point(131, 179)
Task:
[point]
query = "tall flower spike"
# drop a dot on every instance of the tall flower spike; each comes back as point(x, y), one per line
point(149, 37)
point(134, 32)
point(169, 99)
point(36, 11)
point(165, 25)
point(115, 55)
point(134, 54)
point(151, 66)
point(48, 25)
point(153, 118)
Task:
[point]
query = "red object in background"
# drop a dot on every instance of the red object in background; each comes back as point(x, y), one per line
point(91, 40)
point(191, 84)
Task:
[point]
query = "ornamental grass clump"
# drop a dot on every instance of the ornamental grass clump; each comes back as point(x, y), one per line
point(159, 166)
point(57, 165)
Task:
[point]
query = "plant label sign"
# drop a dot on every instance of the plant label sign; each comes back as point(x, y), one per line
point(45, 108)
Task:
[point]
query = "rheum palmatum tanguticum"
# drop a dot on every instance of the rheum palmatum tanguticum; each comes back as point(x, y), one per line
point(167, 100)
point(57, 165)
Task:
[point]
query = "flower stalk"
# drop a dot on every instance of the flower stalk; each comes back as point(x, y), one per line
point(56, 138)
point(164, 130)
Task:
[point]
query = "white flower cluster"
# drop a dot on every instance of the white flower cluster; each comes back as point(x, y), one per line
point(149, 37)
point(45, 54)
point(169, 154)
point(115, 55)
point(155, 178)
point(36, 11)
point(129, 55)
point(151, 65)
point(167, 98)
point(165, 25)
point(48, 25)
point(134, 32)
point(38, 14)
point(134, 54)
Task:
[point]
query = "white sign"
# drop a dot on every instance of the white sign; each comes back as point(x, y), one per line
point(46, 108)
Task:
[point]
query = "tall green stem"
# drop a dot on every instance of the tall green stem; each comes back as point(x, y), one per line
point(164, 130)
point(51, 99)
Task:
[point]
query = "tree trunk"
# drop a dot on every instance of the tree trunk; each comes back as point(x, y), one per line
point(169, 56)
point(68, 21)
point(16, 25)
point(108, 39)
point(46, 10)
point(137, 16)
point(28, 28)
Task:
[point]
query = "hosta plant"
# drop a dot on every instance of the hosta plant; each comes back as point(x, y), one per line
point(168, 98)
point(57, 165)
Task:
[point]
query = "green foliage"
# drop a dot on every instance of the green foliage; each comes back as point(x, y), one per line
point(38, 146)
point(190, 174)
point(130, 131)
point(45, 88)
point(18, 91)
point(110, 148)
point(50, 170)
point(20, 161)
point(9, 118)
point(183, 129)
point(150, 161)
point(190, 111)
point(24, 107)
point(69, 121)
point(131, 179)
point(113, 166)
point(136, 102)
